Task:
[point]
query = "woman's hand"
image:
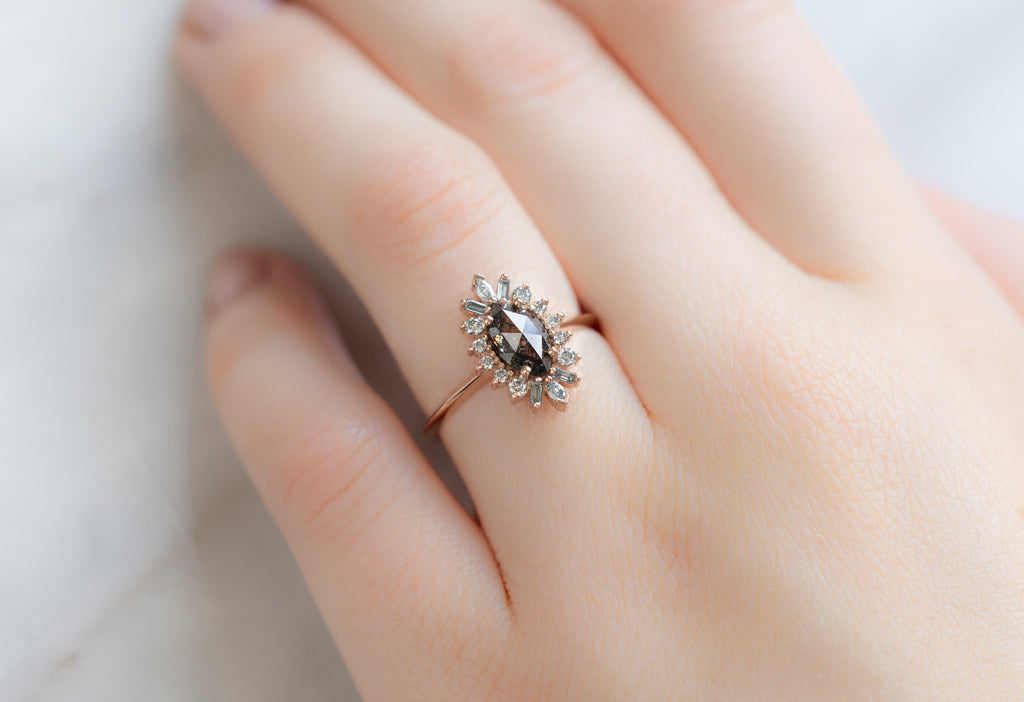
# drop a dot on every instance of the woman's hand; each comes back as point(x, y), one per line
point(795, 469)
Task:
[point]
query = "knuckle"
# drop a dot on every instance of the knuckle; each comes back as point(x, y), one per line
point(427, 201)
point(510, 56)
point(260, 67)
point(327, 477)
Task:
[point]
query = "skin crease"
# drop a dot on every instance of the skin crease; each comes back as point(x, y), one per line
point(807, 484)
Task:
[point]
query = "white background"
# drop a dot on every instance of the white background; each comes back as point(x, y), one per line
point(135, 561)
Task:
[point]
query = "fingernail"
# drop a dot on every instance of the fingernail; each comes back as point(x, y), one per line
point(211, 18)
point(233, 276)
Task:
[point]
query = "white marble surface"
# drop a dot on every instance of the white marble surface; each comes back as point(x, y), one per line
point(137, 564)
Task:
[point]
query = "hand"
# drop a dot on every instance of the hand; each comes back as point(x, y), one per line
point(795, 469)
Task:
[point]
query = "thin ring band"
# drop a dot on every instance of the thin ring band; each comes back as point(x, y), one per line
point(587, 319)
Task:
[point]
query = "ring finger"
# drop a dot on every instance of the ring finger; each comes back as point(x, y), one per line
point(409, 210)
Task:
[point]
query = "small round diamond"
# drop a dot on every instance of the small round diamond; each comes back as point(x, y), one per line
point(480, 345)
point(517, 387)
point(566, 357)
point(487, 362)
point(561, 337)
point(554, 320)
point(521, 294)
point(540, 307)
point(501, 375)
point(474, 326)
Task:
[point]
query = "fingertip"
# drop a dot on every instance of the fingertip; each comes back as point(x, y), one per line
point(204, 23)
point(209, 19)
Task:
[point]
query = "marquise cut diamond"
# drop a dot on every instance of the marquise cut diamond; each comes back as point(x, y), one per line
point(556, 392)
point(483, 289)
point(519, 338)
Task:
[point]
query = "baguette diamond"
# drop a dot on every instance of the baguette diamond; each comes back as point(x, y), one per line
point(475, 306)
point(536, 392)
point(564, 376)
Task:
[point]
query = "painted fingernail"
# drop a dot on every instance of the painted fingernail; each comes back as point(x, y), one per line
point(233, 276)
point(211, 18)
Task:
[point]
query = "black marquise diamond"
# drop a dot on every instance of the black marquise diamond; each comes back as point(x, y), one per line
point(518, 338)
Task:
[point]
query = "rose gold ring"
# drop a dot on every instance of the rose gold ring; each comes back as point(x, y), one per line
point(523, 347)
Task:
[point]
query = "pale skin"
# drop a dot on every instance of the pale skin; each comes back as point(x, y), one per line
point(795, 467)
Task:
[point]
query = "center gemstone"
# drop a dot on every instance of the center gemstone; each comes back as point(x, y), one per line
point(519, 338)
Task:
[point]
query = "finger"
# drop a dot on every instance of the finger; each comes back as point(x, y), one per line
point(409, 210)
point(617, 192)
point(402, 575)
point(997, 243)
point(783, 132)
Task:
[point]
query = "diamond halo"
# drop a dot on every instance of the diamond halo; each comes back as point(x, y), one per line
point(519, 343)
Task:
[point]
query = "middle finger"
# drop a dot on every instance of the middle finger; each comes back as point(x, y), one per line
point(628, 207)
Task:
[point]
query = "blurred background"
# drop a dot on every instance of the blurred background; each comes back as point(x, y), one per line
point(136, 563)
